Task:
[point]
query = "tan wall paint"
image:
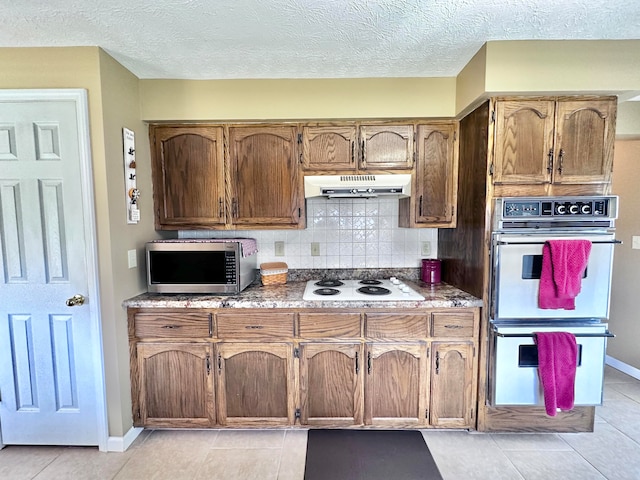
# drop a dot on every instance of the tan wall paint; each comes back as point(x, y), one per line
point(120, 100)
point(628, 120)
point(598, 66)
point(625, 319)
point(470, 83)
point(193, 100)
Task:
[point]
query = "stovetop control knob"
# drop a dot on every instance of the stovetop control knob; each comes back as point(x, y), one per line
point(394, 280)
point(573, 209)
point(404, 289)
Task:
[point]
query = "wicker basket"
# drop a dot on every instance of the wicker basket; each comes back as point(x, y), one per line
point(274, 273)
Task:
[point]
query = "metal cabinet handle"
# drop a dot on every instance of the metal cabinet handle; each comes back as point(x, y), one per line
point(369, 363)
point(357, 364)
point(220, 208)
point(219, 364)
point(420, 207)
point(560, 160)
point(437, 363)
point(353, 152)
point(254, 327)
point(171, 327)
point(362, 154)
point(208, 364)
point(550, 161)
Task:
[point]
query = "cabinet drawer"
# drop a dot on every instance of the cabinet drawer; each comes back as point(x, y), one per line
point(329, 325)
point(173, 325)
point(255, 325)
point(393, 325)
point(454, 324)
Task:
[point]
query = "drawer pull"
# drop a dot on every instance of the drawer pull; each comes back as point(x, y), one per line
point(453, 326)
point(254, 327)
point(172, 326)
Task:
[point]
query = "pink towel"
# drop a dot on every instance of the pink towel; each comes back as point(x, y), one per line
point(563, 265)
point(557, 362)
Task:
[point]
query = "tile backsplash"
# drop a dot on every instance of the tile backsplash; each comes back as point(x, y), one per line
point(351, 233)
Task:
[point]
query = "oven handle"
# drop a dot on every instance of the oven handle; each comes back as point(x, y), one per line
point(542, 243)
point(607, 334)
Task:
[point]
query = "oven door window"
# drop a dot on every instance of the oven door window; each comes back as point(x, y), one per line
point(528, 356)
point(532, 267)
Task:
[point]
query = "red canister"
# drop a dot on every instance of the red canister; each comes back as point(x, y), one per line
point(431, 269)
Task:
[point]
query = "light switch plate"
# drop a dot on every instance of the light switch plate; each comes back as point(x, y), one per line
point(635, 242)
point(426, 248)
point(279, 249)
point(315, 249)
point(132, 258)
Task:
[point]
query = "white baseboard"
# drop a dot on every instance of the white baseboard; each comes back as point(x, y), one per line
point(623, 367)
point(120, 444)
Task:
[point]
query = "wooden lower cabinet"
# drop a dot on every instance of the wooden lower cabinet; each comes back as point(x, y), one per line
point(452, 384)
point(331, 384)
point(175, 385)
point(255, 384)
point(396, 384)
point(335, 369)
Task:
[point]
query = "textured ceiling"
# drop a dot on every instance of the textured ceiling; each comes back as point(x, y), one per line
point(223, 39)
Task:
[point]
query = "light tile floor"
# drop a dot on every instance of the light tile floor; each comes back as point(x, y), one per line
point(611, 452)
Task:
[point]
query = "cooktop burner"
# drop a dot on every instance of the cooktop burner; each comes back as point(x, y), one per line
point(374, 290)
point(329, 283)
point(392, 289)
point(326, 291)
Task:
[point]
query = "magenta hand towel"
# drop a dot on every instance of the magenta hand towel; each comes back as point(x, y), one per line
point(557, 362)
point(563, 265)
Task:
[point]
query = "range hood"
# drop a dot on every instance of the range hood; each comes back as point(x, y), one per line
point(353, 186)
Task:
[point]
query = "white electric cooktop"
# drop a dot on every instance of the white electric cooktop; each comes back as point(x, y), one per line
point(366, 290)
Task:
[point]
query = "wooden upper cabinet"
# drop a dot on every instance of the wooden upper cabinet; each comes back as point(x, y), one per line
point(435, 184)
point(585, 134)
point(326, 148)
point(188, 176)
point(386, 147)
point(564, 141)
point(265, 182)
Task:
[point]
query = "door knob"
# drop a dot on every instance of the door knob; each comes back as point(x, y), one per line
point(75, 300)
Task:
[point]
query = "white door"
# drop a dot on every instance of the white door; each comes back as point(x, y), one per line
point(51, 380)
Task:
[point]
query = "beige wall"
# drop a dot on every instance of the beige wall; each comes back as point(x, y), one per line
point(120, 108)
point(166, 100)
point(595, 66)
point(625, 314)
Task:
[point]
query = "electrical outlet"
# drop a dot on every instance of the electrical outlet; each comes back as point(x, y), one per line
point(315, 249)
point(279, 249)
point(132, 258)
point(635, 242)
point(426, 248)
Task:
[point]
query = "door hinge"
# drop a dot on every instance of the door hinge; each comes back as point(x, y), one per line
point(297, 414)
point(138, 413)
point(474, 352)
point(491, 169)
point(455, 136)
point(208, 363)
point(493, 116)
point(296, 353)
point(299, 138)
point(426, 414)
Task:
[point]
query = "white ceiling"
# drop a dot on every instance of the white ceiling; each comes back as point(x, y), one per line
point(224, 39)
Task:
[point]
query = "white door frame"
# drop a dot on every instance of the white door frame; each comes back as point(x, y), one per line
point(79, 96)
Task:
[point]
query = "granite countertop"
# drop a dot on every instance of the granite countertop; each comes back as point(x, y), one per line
point(289, 295)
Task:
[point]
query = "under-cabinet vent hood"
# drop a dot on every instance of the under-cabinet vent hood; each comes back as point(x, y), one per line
point(351, 186)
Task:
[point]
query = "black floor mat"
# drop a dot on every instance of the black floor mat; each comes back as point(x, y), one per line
point(370, 455)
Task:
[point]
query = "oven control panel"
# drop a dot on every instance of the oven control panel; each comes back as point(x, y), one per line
point(548, 207)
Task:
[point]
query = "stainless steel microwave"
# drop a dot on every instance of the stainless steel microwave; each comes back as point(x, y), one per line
point(199, 266)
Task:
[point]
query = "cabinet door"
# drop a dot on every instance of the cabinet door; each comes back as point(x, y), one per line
point(523, 151)
point(436, 176)
point(452, 384)
point(266, 186)
point(255, 384)
point(396, 384)
point(386, 147)
point(331, 384)
point(326, 148)
point(175, 385)
point(585, 134)
point(188, 177)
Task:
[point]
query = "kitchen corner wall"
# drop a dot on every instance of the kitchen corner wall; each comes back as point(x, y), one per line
point(351, 233)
